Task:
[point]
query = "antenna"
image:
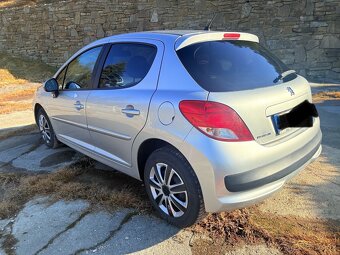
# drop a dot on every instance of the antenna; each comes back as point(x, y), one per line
point(208, 26)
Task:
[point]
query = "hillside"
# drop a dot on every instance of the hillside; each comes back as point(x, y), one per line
point(19, 78)
point(16, 3)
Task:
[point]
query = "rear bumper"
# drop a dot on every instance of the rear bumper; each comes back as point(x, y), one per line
point(247, 198)
point(236, 175)
point(259, 177)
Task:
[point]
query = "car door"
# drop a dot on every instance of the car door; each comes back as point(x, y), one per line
point(67, 110)
point(117, 110)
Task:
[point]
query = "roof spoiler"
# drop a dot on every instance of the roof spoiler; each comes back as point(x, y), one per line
point(189, 39)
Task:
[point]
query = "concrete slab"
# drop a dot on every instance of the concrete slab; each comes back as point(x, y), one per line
point(3, 224)
point(13, 147)
point(147, 235)
point(26, 152)
point(88, 232)
point(46, 159)
point(39, 222)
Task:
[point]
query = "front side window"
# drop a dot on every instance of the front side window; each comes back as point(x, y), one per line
point(79, 71)
point(221, 66)
point(126, 65)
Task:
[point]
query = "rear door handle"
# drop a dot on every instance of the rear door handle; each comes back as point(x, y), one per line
point(130, 111)
point(79, 106)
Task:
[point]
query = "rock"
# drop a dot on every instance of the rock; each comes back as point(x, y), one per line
point(74, 33)
point(309, 7)
point(100, 31)
point(329, 42)
point(246, 10)
point(318, 24)
point(311, 44)
point(77, 18)
point(154, 17)
point(300, 54)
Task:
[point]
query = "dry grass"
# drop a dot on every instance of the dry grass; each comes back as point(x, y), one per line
point(15, 3)
point(326, 95)
point(292, 235)
point(9, 241)
point(17, 100)
point(109, 190)
point(296, 235)
point(19, 79)
point(12, 106)
point(6, 78)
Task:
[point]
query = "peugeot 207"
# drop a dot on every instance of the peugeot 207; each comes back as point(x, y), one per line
point(209, 121)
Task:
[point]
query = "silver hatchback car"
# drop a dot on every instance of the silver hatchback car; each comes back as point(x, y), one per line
point(210, 121)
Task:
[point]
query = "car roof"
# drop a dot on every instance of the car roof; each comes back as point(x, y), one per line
point(156, 34)
point(182, 38)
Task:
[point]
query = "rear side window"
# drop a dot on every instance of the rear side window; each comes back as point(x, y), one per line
point(79, 71)
point(221, 66)
point(126, 65)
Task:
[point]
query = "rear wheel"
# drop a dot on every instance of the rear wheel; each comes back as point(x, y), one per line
point(173, 187)
point(46, 130)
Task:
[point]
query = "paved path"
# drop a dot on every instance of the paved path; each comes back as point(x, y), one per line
point(16, 119)
point(63, 228)
point(28, 153)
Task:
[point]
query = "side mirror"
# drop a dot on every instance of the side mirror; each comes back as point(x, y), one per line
point(51, 85)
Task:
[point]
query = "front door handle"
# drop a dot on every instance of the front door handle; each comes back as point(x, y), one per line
point(79, 106)
point(130, 111)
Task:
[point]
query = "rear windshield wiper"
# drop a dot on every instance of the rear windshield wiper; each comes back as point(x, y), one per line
point(283, 75)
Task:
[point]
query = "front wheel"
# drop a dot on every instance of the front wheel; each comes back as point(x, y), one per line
point(46, 130)
point(173, 187)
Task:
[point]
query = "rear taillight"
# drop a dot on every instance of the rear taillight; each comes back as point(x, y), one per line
point(215, 120)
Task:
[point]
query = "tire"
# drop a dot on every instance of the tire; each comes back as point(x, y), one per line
point(46, 130)
point(173, 187)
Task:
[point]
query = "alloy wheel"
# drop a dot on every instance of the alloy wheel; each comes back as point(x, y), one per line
point(168, 190)
point(44, 128)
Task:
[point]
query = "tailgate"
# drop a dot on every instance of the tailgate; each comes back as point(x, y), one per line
point(257, 107)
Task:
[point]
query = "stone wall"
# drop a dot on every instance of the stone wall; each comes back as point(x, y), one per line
point(305, 34)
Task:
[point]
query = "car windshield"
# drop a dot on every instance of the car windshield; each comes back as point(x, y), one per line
point(221, 66)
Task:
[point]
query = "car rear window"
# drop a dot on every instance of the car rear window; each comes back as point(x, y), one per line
point(221, 66)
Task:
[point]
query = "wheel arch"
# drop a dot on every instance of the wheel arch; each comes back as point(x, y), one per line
point(37, 107)
point(145, 150)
